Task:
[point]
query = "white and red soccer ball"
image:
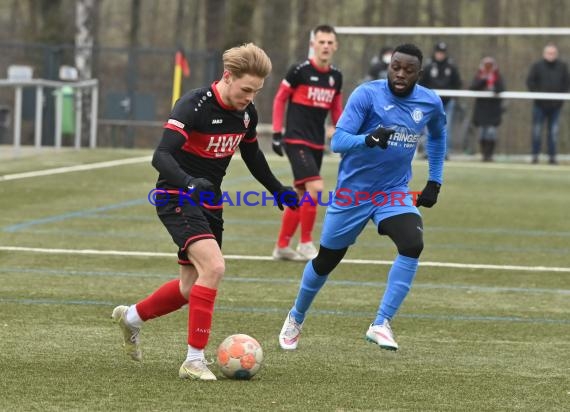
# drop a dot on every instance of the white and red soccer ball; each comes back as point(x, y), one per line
point(239, 356)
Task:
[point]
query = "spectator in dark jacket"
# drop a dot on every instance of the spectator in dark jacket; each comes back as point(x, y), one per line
point(488, 111)
point(379, 65)
point(441, 73)
point(549, 75)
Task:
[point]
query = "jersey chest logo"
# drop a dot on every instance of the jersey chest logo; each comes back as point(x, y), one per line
point(224, 145)
point(320, 94)
point(417, 115)
point(314, 96)
point(212, 146)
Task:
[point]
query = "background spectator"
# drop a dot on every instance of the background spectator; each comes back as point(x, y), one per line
point(488, 112)
point(440, 72)
point(379, 65)
point(549, 75)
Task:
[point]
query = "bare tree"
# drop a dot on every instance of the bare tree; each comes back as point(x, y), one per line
point(303, 28)
point(86, 13)
point(86, 19)
point(132, 70)
point(276, 37)
point(240, 22)
point(178, 23)
point(491, 15)
point(49, 21)
point(215, 23)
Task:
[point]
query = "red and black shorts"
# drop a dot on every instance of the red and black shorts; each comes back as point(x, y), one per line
point(188, 223)
point(305, 163)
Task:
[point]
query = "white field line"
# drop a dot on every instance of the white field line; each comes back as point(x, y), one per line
point(77, 168)
point(268, 258)
point(327, 159)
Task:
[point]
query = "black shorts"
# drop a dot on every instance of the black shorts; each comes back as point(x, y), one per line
point(305, 162)
point(189, 223)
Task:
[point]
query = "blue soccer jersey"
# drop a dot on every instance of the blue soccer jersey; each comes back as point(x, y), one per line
point(372, 104)
point(373, 182)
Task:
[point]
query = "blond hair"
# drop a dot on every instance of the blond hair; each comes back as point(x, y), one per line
point(247, 59)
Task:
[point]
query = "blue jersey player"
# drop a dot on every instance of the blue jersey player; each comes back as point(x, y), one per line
point(377, 136)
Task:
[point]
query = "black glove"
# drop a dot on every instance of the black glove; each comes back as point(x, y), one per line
point(379, 137)
point(428, 196)
point(286, 196)
point(197, 185)
point(277, 144)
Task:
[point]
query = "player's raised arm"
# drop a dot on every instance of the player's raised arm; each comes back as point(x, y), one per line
point(349, 133)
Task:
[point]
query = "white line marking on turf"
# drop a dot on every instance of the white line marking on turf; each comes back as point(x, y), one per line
point(269, 258)
point(335, 159)
point(76, 168)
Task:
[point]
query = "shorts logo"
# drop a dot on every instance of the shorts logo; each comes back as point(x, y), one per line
point(217, 121)
point(246, 119)
point(417, 115)
point(176, 123)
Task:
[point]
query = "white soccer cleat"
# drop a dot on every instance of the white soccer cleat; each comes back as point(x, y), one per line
point(286, 253)
point(290, 333)
point(131, 342)
point(307, 250)
point(196, 370)
point(382, 335)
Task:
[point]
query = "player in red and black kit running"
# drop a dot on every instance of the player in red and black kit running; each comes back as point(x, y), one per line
point(205, 128)
point(310, 90)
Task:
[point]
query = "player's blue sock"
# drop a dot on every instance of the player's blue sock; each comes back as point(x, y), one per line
point(400, 279)
point(311, 283)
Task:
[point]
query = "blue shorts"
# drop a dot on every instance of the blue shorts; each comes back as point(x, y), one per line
point(345, 220)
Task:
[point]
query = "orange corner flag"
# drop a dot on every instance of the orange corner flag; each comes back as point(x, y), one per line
point(181, 67)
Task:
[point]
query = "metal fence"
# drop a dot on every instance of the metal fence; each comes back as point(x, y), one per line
point(68, 102)
point(135, 87)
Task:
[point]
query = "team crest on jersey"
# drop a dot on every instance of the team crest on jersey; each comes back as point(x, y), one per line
point(417, 115)
point(246, 119)
point(331, 81)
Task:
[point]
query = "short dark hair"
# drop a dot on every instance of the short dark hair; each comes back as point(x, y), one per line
point(410, 49)
point(325, 28)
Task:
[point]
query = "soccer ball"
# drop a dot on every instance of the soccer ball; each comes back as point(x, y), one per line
point(239, 356)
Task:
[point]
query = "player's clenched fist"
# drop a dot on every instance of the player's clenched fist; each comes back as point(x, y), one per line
point(379, 137)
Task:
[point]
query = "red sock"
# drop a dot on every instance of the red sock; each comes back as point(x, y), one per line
point(308, 214)
point(162, 301)
point(200, 315)
point(289, 224)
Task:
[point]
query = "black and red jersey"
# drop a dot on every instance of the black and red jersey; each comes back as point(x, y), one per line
point(212, 132)
point(311, 92)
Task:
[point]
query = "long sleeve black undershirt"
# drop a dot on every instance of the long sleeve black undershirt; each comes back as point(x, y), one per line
point(171, 142)
point(164, 161)
point(257, 165)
